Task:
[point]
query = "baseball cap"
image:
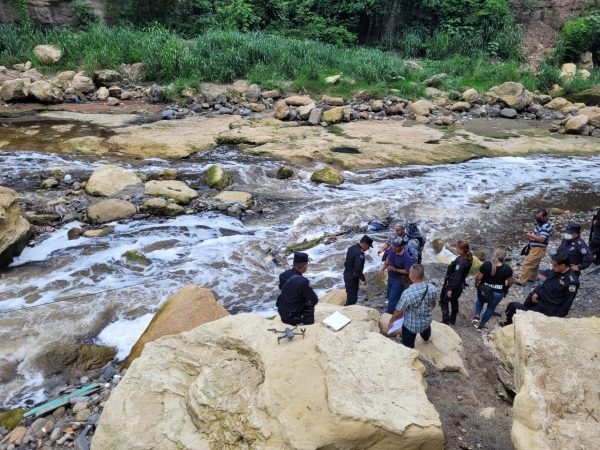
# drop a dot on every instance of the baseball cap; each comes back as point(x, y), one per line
point(367, 240)
point(545, 272)
point(398, 242)
point(573, 228)
point(400, 223)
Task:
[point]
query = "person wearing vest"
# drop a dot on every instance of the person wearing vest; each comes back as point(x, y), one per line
point(296, 303)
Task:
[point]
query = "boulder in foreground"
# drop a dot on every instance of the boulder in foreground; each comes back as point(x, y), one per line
point(328, 176)
point(108, 180)
point(228, 385)
point(14, 230)
point(185, 310)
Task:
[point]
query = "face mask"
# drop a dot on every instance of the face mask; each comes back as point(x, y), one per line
point(540, 283)
point(568, 236)
point(540, 221)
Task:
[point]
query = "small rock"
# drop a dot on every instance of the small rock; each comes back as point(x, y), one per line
point(108, 373)
point(59, 413)
point(508, 113)
point(55, 434)
point(488, 413)
point(112, 101)
point(79, 407)
point(83, 415)
point(49, 183)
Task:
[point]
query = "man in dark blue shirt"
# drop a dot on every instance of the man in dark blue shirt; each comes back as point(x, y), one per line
point(580, 255)
point(398, 263)
point(296, 303)
point(353, 268)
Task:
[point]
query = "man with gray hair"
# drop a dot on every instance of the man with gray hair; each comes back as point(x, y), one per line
point(416, 306)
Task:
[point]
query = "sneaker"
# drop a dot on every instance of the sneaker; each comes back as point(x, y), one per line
point(475, 320)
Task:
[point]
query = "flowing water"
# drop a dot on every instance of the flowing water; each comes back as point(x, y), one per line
point(83, 290)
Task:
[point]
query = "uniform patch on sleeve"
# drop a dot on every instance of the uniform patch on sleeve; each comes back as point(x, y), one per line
point(362, 256)
point(572, 288)
point(583, 251)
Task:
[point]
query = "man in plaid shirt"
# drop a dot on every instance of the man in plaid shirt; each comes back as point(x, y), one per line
point(416, 306)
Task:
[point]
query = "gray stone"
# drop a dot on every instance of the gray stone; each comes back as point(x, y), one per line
point(508, 113)
point(558, 116)
point(167, 114)
point(223, 110)
point(253, 93)
point(596, 133)
point(245, 112)
point(315, 116)
point(155, 94)
point(112, 101)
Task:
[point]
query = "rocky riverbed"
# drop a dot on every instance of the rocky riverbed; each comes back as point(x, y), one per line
point(235, 246)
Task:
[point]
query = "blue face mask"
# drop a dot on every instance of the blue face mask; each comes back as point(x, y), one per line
point(540, 283)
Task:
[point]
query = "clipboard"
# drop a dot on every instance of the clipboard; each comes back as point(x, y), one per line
point(336, 321)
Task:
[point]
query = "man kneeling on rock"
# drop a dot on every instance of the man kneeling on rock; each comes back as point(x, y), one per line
point(555, 296)
point(296, 303)
point(416, 306)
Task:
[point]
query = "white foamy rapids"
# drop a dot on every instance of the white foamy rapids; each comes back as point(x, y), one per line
point(86, 289)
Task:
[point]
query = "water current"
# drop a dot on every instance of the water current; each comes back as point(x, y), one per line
point(83, 290)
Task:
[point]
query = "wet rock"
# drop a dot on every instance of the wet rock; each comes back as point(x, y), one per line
point(298, 100)
point(109, 210)
point(135, 257)
point(281, 110)
point(167, 174)
point(107, 77)
point(161, 207)
point(177, 190)
point(242, 198)
point(217, 178)
point(14, 90)
point(100, 232)
point(108, 180)
point(284, 173)
point(187, 309)
point(508, 113)
point(14, 230)
point(74, 357)
point(328, 176)
point(40, 219)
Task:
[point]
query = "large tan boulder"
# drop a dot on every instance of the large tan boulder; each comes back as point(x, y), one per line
point(108, 180)
point(514, 95)
point(48, 54)
point(593, 115)
point(109, 210)
point(328, 176)
point(568, 70)
point(281, 110)
point(556, 376)
point(243, 198)
point(334, 115)
point(304, 111)
point(43, 92)
point(558, 104)
point(443, 349)
point(420, 108)
point(298, 100)
point(332, 101)
point(185, 310)
point(575, 124)
point(384, 322)
point(335, 297)
point(82, 83)
point(470, 96)
point(228, 384)
point(502, 345)
point(107, 77)
point(14, 230)
point(13, 90)
point(460, 106)
point(177, 190)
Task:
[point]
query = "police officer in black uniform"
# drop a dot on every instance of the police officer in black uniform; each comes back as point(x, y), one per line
point(296, 303)
point(580, 255)
point(353, 268)
point(553, 298)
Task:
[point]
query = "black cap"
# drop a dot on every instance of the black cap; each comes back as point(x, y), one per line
point(367, 240)
point(545, 272)
point(573, 228)
point(300, 257)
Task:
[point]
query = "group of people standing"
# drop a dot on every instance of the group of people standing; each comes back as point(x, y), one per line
point(413, 299)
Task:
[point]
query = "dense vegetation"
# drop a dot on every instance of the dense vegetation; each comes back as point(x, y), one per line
point(475, 42)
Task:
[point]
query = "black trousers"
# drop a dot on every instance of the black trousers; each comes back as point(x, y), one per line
point(351, 283)
point(305, 317)
point(449, 315)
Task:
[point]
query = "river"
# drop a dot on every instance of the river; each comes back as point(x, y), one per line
point(83, 290)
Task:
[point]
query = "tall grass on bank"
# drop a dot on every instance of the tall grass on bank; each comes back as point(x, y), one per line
point(271, 61)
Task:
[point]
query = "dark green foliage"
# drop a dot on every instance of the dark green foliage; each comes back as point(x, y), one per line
point(23, 11)
point(84, 11)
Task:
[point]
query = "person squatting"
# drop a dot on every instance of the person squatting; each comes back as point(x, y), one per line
point(413, 299)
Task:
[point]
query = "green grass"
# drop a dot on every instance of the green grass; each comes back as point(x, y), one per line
point(287, 64)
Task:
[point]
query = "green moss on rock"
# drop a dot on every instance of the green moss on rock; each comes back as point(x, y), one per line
point(217, 178)
point(137, 257)
point(284, 173)
point(78, 358)
point(328, 176)
point(11, 419)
